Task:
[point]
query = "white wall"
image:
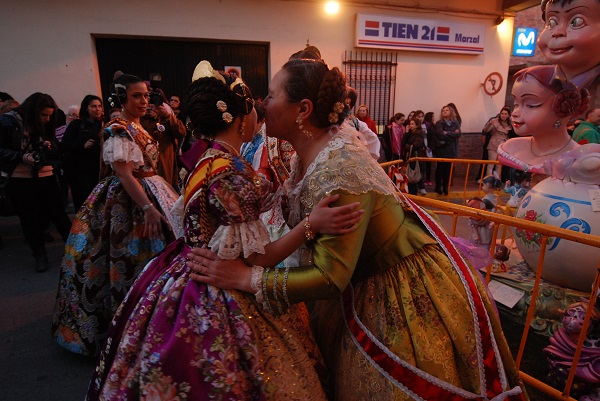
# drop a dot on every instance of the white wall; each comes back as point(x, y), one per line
point(48, 46)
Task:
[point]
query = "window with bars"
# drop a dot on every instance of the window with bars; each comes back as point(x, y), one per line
point(373, 75)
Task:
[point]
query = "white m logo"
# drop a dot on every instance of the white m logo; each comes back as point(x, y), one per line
point(523, 40)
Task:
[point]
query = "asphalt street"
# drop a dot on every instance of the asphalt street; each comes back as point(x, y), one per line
point(32, 366)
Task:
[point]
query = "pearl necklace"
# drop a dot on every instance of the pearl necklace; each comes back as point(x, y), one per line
point(228, 146)
point(549, 153)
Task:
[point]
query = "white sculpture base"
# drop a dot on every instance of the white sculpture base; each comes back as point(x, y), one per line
point(566, 205)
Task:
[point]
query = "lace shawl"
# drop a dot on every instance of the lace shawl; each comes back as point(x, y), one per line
point(344, 164)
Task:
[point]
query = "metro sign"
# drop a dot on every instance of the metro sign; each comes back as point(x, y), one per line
point(525, 41)
point(401, 33)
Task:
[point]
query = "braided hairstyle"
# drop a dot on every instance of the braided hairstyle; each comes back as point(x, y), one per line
point(206, 118)
point(118, 88)
point(325, 88)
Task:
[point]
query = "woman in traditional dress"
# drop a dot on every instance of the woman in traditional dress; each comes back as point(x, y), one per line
point(119, 228)
point(399, 314)
point(194, 341)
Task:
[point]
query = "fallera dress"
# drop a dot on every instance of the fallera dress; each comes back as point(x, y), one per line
point(176, 339)
point(105, 250)
point(407, 317)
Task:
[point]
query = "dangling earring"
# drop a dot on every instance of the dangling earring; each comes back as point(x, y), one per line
point(301, 128)
point(557, 124)
point(243, 126)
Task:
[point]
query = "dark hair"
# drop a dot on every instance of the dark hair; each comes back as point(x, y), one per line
point(5, 96)
point(507, 109)
point(353, 96)
point(521, 176)
point(309, 52)
point(324, 87)
point(118, 88)
point(260, 110)
point(492, 181)
point(429, 117)
point(84, 114)
point(418, 124)
point(31, 109)
point(202, 97)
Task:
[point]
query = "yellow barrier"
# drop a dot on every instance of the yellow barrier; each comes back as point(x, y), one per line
point(546, 231)
point(467, 190)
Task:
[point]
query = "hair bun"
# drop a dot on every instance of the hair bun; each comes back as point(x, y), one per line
point(570, 102)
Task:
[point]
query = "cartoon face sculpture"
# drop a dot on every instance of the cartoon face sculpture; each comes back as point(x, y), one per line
point(571, 35)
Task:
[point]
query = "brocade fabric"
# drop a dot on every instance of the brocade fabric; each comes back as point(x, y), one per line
point(191, 341)
point(106, 249)
point(406, 289)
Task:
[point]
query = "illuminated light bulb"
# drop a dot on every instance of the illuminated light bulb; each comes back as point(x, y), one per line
point(332, 7)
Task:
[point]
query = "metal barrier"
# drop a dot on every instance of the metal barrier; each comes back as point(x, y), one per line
point(459, 211)
point(466, 192)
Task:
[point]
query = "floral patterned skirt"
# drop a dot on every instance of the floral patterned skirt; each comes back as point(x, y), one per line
point(104, 254)
point(177, 339)
point(419, 310)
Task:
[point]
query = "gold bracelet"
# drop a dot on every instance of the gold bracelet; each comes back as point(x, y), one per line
point(308, 234)
point(147, 207)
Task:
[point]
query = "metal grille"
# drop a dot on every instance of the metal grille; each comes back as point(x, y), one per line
point(373, 75)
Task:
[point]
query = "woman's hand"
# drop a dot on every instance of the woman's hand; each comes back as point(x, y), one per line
point(208, 268)
point(89, 144)
point(334, 220)
point(153, 222)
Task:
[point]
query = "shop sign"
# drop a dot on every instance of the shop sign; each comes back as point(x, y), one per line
point(525, 40)
point(399, 33)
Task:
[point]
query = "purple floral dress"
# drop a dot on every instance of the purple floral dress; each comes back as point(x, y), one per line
point(106, 249)
point(177, 339)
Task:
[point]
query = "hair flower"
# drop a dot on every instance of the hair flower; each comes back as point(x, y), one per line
point(333, 117)
point(221, 106)
point(227, 117)
point(338, 107)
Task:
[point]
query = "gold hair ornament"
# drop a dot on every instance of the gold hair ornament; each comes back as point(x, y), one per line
point(205, 70)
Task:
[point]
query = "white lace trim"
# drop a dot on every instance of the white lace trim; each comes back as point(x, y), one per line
point(167, 198)
point(122, 149)
point(340, 138)
point(248, 237)
point(256, 282)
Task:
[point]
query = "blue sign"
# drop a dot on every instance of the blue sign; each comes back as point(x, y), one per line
point(525, 41)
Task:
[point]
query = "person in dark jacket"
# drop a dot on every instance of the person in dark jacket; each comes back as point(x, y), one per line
point(81, 150)
point(413, 145)
point(447, 132)
point(28, 149)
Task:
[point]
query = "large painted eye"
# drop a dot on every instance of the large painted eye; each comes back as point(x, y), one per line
point(552, 22)
point(577, 22)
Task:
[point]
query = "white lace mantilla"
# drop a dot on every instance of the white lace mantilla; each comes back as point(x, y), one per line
point(167, 199)
point(122, 149)
point(233, 240)
point(343, 164)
